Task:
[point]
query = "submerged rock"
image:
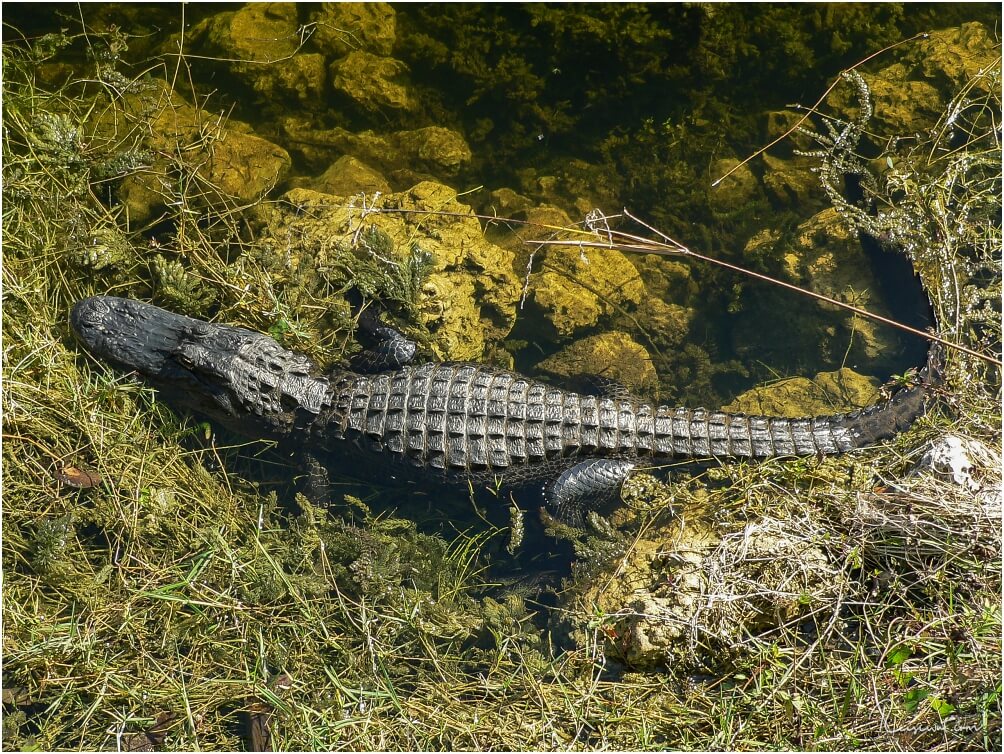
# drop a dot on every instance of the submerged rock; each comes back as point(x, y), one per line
point(738, 189)
point(347, 176)
point(577, 186)
point(302, 76)
point(668, 280)
point(261, 32)
point(233, 164)
point(825, 257)
point(263, 46)
point(910, 95)
point(575, 287)
point(341, 28)
point(507, 203)
point(667, 325)
point(791, 183)
point(467, 290)
point(955, 55)
point(431, 150)
point(374, 83)
point(827, 393)
point(610, 355)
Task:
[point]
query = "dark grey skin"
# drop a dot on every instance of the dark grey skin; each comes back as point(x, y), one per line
point(455, 422)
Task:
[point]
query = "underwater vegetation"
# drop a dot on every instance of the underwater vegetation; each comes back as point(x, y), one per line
point(164, 588)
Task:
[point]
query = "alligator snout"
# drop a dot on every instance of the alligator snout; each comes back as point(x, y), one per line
point(129, 333)
point(88, 314)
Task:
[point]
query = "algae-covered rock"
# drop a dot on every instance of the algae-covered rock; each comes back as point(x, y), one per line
point(577, 186)
point(433, 150)
point(348, 176)
point(901, 105)
point(246, 166)
point(262, 45)
point(611, 355)
point(262, 32)
point(651, 604)
point(823, 256)
point(568, 307)
point(829, 257)
point(668, 280)
point(665, 324)
point(467, 289)
point(575, 286)
point(782, 124)
point(791, 182)
point(955, 55)
point(827, 393)
point(739, 188)
point(507, 203)
point(687, 593)
point(341, 28)
point(373, 82)
point(232, 163)
point(302, 76)
point(910, 95)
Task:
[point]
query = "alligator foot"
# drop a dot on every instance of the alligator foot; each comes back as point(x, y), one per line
point(315, 484)
point(587, 486)
point(387, 349)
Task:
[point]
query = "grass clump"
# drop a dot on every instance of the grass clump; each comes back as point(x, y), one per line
point(157, 598)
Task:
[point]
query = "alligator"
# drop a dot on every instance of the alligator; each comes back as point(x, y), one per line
point(463, 423)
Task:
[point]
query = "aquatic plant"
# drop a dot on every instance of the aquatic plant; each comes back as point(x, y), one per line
point(165, 599)
point(938, 198)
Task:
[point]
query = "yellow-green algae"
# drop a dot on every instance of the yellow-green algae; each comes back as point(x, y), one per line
point(827, 393)
point(611, 355)
point(575, 287)
point(426, 151)
point(468, 290)
point(230, 161)
point(176, 591)
point(372, 81)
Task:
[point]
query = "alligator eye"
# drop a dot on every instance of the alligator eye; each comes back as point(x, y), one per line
point(183, 358)
point(202, 330)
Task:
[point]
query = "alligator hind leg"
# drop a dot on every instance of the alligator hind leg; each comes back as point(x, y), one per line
point(587, 486)
point(315, 483)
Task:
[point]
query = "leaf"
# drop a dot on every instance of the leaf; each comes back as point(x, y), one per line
point(899, 656)
point(81, 479)
point(913, 698)
point(943, 708)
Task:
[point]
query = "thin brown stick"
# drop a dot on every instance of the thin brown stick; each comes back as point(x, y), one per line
point(669, 247)
point(922, 35)
point(672, 247)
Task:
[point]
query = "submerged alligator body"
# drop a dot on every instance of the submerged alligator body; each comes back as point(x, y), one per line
point(458, 422)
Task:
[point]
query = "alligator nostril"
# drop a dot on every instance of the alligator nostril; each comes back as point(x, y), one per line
point(91, 312)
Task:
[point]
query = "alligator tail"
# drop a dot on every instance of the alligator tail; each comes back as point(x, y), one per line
point(699, 433)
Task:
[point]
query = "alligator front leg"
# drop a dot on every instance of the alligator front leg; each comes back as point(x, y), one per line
point(386, 348)
point(587, 486)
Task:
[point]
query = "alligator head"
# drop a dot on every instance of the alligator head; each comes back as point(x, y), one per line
point(243, 379)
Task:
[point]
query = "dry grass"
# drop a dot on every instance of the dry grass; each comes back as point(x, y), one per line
point(162, 605)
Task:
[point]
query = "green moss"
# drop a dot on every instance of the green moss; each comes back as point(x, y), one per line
point(179, 289)
point(164, 601)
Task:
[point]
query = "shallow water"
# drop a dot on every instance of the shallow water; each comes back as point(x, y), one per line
point(579, 107)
